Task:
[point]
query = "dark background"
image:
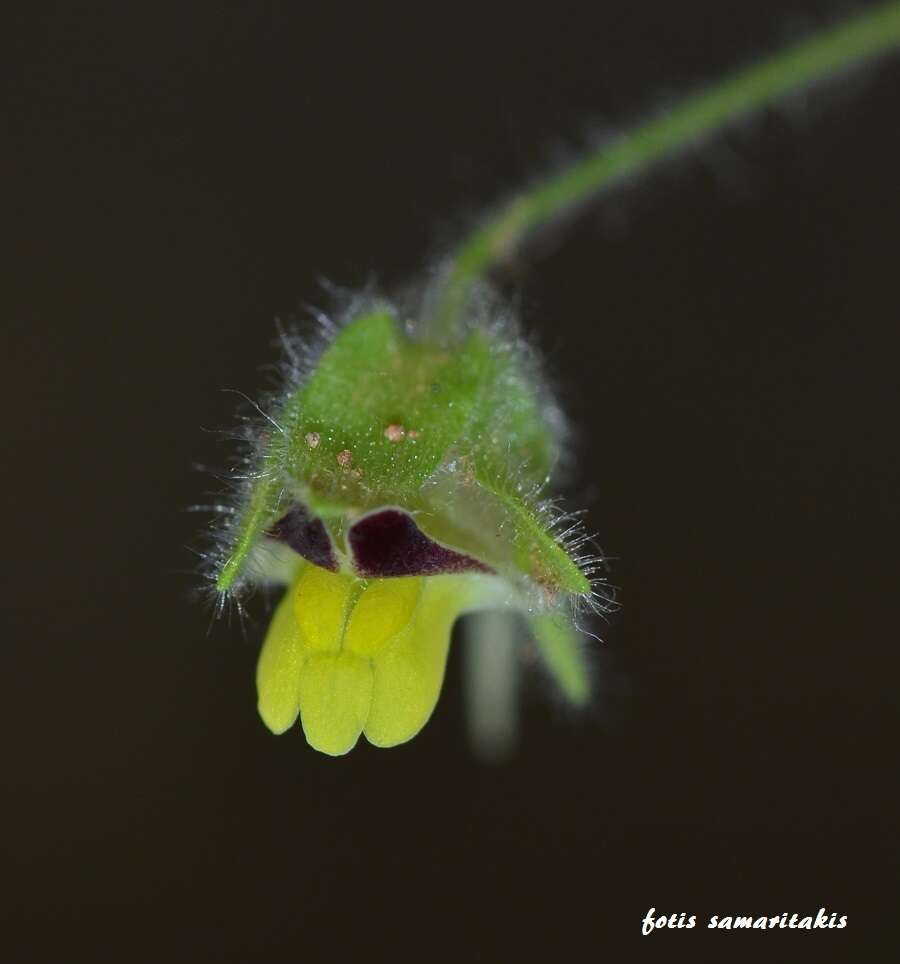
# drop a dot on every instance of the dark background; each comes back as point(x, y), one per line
point(723, 333)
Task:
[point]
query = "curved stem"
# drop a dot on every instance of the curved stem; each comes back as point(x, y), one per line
point(857, 39)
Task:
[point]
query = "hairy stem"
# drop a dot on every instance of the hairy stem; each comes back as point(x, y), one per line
point(860, 38)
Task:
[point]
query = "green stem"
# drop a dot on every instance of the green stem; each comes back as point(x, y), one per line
point(859, 38)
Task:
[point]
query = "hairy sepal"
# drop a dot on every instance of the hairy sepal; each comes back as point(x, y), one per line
point(382, 417)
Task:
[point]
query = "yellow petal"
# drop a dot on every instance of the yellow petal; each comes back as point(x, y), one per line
point(320, 607)
point(278, 669)
point(410, 670)
point(385, 609)
point(335, 697)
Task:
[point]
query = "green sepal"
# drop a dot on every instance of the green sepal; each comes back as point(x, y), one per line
point(538, 553)
point(559, 644)
point(258, 513)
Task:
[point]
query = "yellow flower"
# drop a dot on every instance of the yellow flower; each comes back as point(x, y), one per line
point(351, 656)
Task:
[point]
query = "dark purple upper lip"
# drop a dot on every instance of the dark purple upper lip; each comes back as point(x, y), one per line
point(306, 535)
point(389, 543)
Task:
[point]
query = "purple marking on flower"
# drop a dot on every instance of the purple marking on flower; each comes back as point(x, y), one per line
point(306, 535)
point(389, 543)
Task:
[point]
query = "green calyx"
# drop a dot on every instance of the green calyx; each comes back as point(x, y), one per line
point(458, 432)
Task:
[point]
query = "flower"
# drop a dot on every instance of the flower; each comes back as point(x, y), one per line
point(393, 489)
